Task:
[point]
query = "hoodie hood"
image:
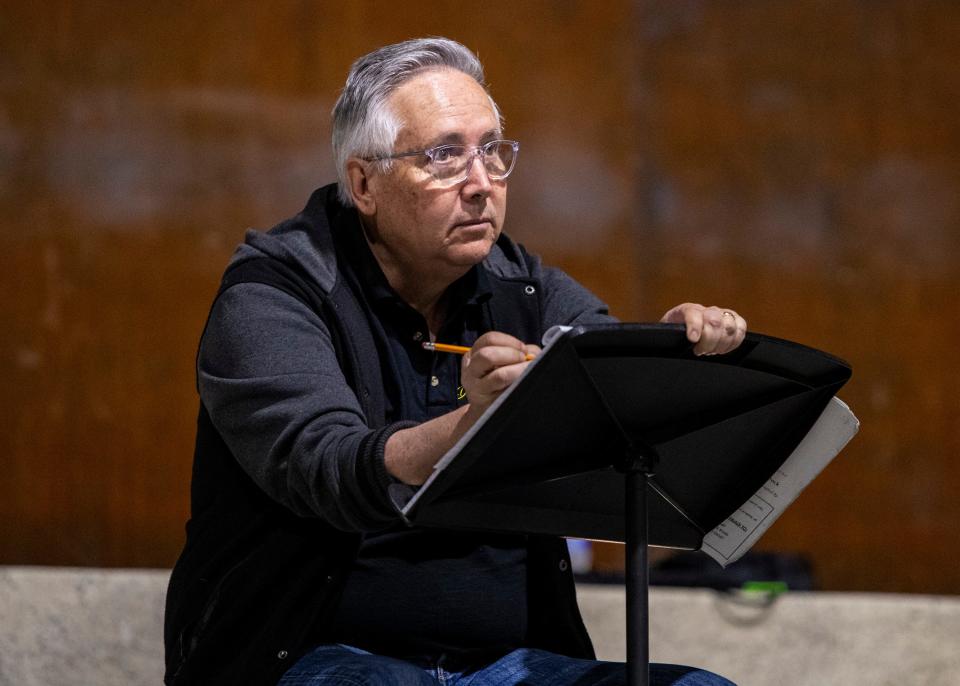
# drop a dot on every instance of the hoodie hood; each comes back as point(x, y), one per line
point(303, 242)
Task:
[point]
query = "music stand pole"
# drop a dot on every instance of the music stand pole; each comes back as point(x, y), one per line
point(638, 467)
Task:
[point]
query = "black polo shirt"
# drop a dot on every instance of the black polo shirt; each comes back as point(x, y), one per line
point(425, 593)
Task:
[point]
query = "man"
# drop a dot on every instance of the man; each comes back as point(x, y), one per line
point(321, 412)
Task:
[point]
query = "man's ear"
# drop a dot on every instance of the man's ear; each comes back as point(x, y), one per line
point(360, 187)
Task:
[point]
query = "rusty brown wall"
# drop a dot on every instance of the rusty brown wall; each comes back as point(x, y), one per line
point(796, 160)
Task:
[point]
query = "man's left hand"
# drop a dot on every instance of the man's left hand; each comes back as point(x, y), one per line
point(712, 330)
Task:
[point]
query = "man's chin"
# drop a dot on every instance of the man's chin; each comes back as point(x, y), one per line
point(469, 254)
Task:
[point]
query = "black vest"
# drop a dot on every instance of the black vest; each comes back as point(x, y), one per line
point(255, 583)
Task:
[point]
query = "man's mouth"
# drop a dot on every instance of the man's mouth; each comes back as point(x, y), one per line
point(473, 223)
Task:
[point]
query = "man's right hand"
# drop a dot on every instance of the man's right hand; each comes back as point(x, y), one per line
point(494, 362)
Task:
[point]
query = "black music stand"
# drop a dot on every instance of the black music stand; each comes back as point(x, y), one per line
point(618, 432)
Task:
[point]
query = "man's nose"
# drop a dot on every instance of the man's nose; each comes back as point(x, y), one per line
point(478, 180)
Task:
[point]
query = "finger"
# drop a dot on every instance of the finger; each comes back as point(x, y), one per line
point(725, 322)
point(725, 331)
point(741, 327)
point(498, 338)
point(712, 338)
point(734, 331)
point(485, 390)
point(740, 332)
point(731, 338)
point(481, 361)
point(531, 350)
point(694, 321)
point(709, 340)
point(728, 319)
point(715, 317)
point(500, 378)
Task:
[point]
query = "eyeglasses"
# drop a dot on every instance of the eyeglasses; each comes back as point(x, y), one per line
point(450, 164)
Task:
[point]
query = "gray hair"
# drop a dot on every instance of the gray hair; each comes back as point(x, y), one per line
point(363, 123)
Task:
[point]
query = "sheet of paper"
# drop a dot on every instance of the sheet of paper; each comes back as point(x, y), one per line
point(737, 534)
point(552, 335)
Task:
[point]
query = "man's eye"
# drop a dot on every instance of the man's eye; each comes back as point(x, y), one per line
point(447, 153)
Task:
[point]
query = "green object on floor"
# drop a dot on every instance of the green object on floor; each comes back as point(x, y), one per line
point(773, 588)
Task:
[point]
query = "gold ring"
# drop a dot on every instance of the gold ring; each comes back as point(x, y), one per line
point(728, 313)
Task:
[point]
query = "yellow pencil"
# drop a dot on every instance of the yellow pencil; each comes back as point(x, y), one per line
point(447, 348)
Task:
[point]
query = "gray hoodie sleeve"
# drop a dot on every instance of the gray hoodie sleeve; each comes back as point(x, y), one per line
point(268, 375)
point(566, 302)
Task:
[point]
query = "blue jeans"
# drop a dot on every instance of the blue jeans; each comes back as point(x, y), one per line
point(348, 666)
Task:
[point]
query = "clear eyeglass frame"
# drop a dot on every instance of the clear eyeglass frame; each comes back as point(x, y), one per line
point(450, 163)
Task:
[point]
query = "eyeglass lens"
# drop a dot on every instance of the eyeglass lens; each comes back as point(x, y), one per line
point(450, 162)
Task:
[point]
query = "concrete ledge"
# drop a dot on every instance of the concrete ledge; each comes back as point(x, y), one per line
point(97, 627)
point(802, 639)
point(81, 627)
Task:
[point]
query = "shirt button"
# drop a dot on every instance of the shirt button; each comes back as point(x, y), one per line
point(282, 655)
point(418, 335)
point(434, 381)
point(563, 565)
